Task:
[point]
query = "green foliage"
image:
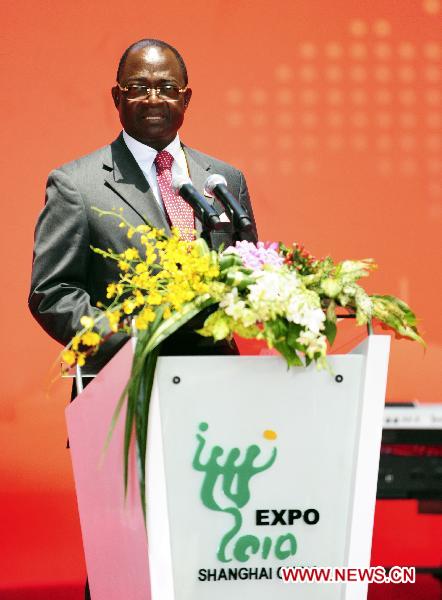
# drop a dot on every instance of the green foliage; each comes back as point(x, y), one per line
point(330, 331)
point(396, 315)
point(281, 304)
point(218, 325)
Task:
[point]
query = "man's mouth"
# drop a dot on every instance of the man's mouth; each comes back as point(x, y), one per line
point(153, 117)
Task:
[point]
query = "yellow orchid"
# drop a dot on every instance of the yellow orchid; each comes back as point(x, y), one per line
point(69, 357)
point(90, 338)
point(131, 254)
point(87, 322)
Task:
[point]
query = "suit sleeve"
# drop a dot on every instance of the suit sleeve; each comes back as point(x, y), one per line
point(58, 296)
point(61, 266)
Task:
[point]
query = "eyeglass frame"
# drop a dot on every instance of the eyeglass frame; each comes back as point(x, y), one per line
point(150, 89)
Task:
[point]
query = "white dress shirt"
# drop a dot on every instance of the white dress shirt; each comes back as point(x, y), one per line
point(145, 156)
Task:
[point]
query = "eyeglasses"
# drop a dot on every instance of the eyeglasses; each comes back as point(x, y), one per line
point(166, 91)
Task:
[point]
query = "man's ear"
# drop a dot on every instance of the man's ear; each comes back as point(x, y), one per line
point(187, 97)
point(115, 91)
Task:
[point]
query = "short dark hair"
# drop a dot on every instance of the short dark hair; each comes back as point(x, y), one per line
point(157, 44)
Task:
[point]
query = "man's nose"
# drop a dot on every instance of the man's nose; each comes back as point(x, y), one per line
point(153, 96)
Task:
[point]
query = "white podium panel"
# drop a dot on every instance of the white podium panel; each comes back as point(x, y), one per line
point(253, 466)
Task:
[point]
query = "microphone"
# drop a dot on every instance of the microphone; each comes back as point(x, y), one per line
point(205, 213)
point(216, 185)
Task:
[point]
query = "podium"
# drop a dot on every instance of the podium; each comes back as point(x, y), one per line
point(251, 467)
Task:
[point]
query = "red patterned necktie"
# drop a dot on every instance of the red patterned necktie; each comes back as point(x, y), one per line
point(179, 212)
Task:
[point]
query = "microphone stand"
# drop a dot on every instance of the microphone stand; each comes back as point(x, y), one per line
point(216, 186)
point(216, 238)
point(244, 232)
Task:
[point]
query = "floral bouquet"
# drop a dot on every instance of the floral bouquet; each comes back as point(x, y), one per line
point(267, 291)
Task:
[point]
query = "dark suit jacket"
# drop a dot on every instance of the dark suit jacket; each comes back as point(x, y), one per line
point(67, 277)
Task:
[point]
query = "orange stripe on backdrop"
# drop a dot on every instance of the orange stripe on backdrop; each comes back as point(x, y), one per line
point(331, 108)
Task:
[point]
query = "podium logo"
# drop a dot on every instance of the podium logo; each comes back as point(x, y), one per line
point(226, 488)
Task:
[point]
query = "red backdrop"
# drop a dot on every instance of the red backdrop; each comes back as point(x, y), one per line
point(332, 109)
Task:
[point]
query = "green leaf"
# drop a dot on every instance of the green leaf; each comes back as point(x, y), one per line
point(276, 329)
point(331, 287)
point(139, 387)
point(330, 331)
point(217, 325)
point(331, 311)
point(142, 405)
point(189, 310)
point(293, 332)
point(240, 278)
point(227, 261)
point(291, 356)
point(396, 306)
point(250, 332)
point(397, 315)
point(275, 333)
point(132, 396)
point(200, 244)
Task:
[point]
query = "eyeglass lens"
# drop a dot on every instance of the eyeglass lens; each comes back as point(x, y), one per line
point(168, 92)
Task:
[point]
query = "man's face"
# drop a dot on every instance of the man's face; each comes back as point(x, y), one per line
point(153, 121)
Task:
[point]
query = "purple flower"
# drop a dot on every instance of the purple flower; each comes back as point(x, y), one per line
point(254, 256)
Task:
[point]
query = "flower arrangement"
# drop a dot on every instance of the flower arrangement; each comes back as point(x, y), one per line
point(284, 296)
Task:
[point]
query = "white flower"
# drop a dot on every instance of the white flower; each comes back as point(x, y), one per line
point(314, 344)
point(364, 302)
point(314, 319)
point(237, 309)
point(232, 304)
point(271, 293)
point(305, 309)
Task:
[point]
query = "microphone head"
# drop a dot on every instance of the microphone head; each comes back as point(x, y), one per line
point(212, 181)
point(178, 180)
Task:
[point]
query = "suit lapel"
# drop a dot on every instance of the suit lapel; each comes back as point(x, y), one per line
point(125, 178)
point(199, 168)
point(123, 175)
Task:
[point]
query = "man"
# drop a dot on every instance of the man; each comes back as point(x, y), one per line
point(133, 173)
point(68, 279)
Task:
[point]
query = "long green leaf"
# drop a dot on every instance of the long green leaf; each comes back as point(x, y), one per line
point(330, 330)
point(142, 403)
point(178, 320)
point(132, 395)
point(140, 387)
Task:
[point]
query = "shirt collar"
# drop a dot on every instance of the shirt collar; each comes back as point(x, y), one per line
point(145, 155)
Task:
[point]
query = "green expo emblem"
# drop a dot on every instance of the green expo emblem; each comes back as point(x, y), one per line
point(224, 471)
